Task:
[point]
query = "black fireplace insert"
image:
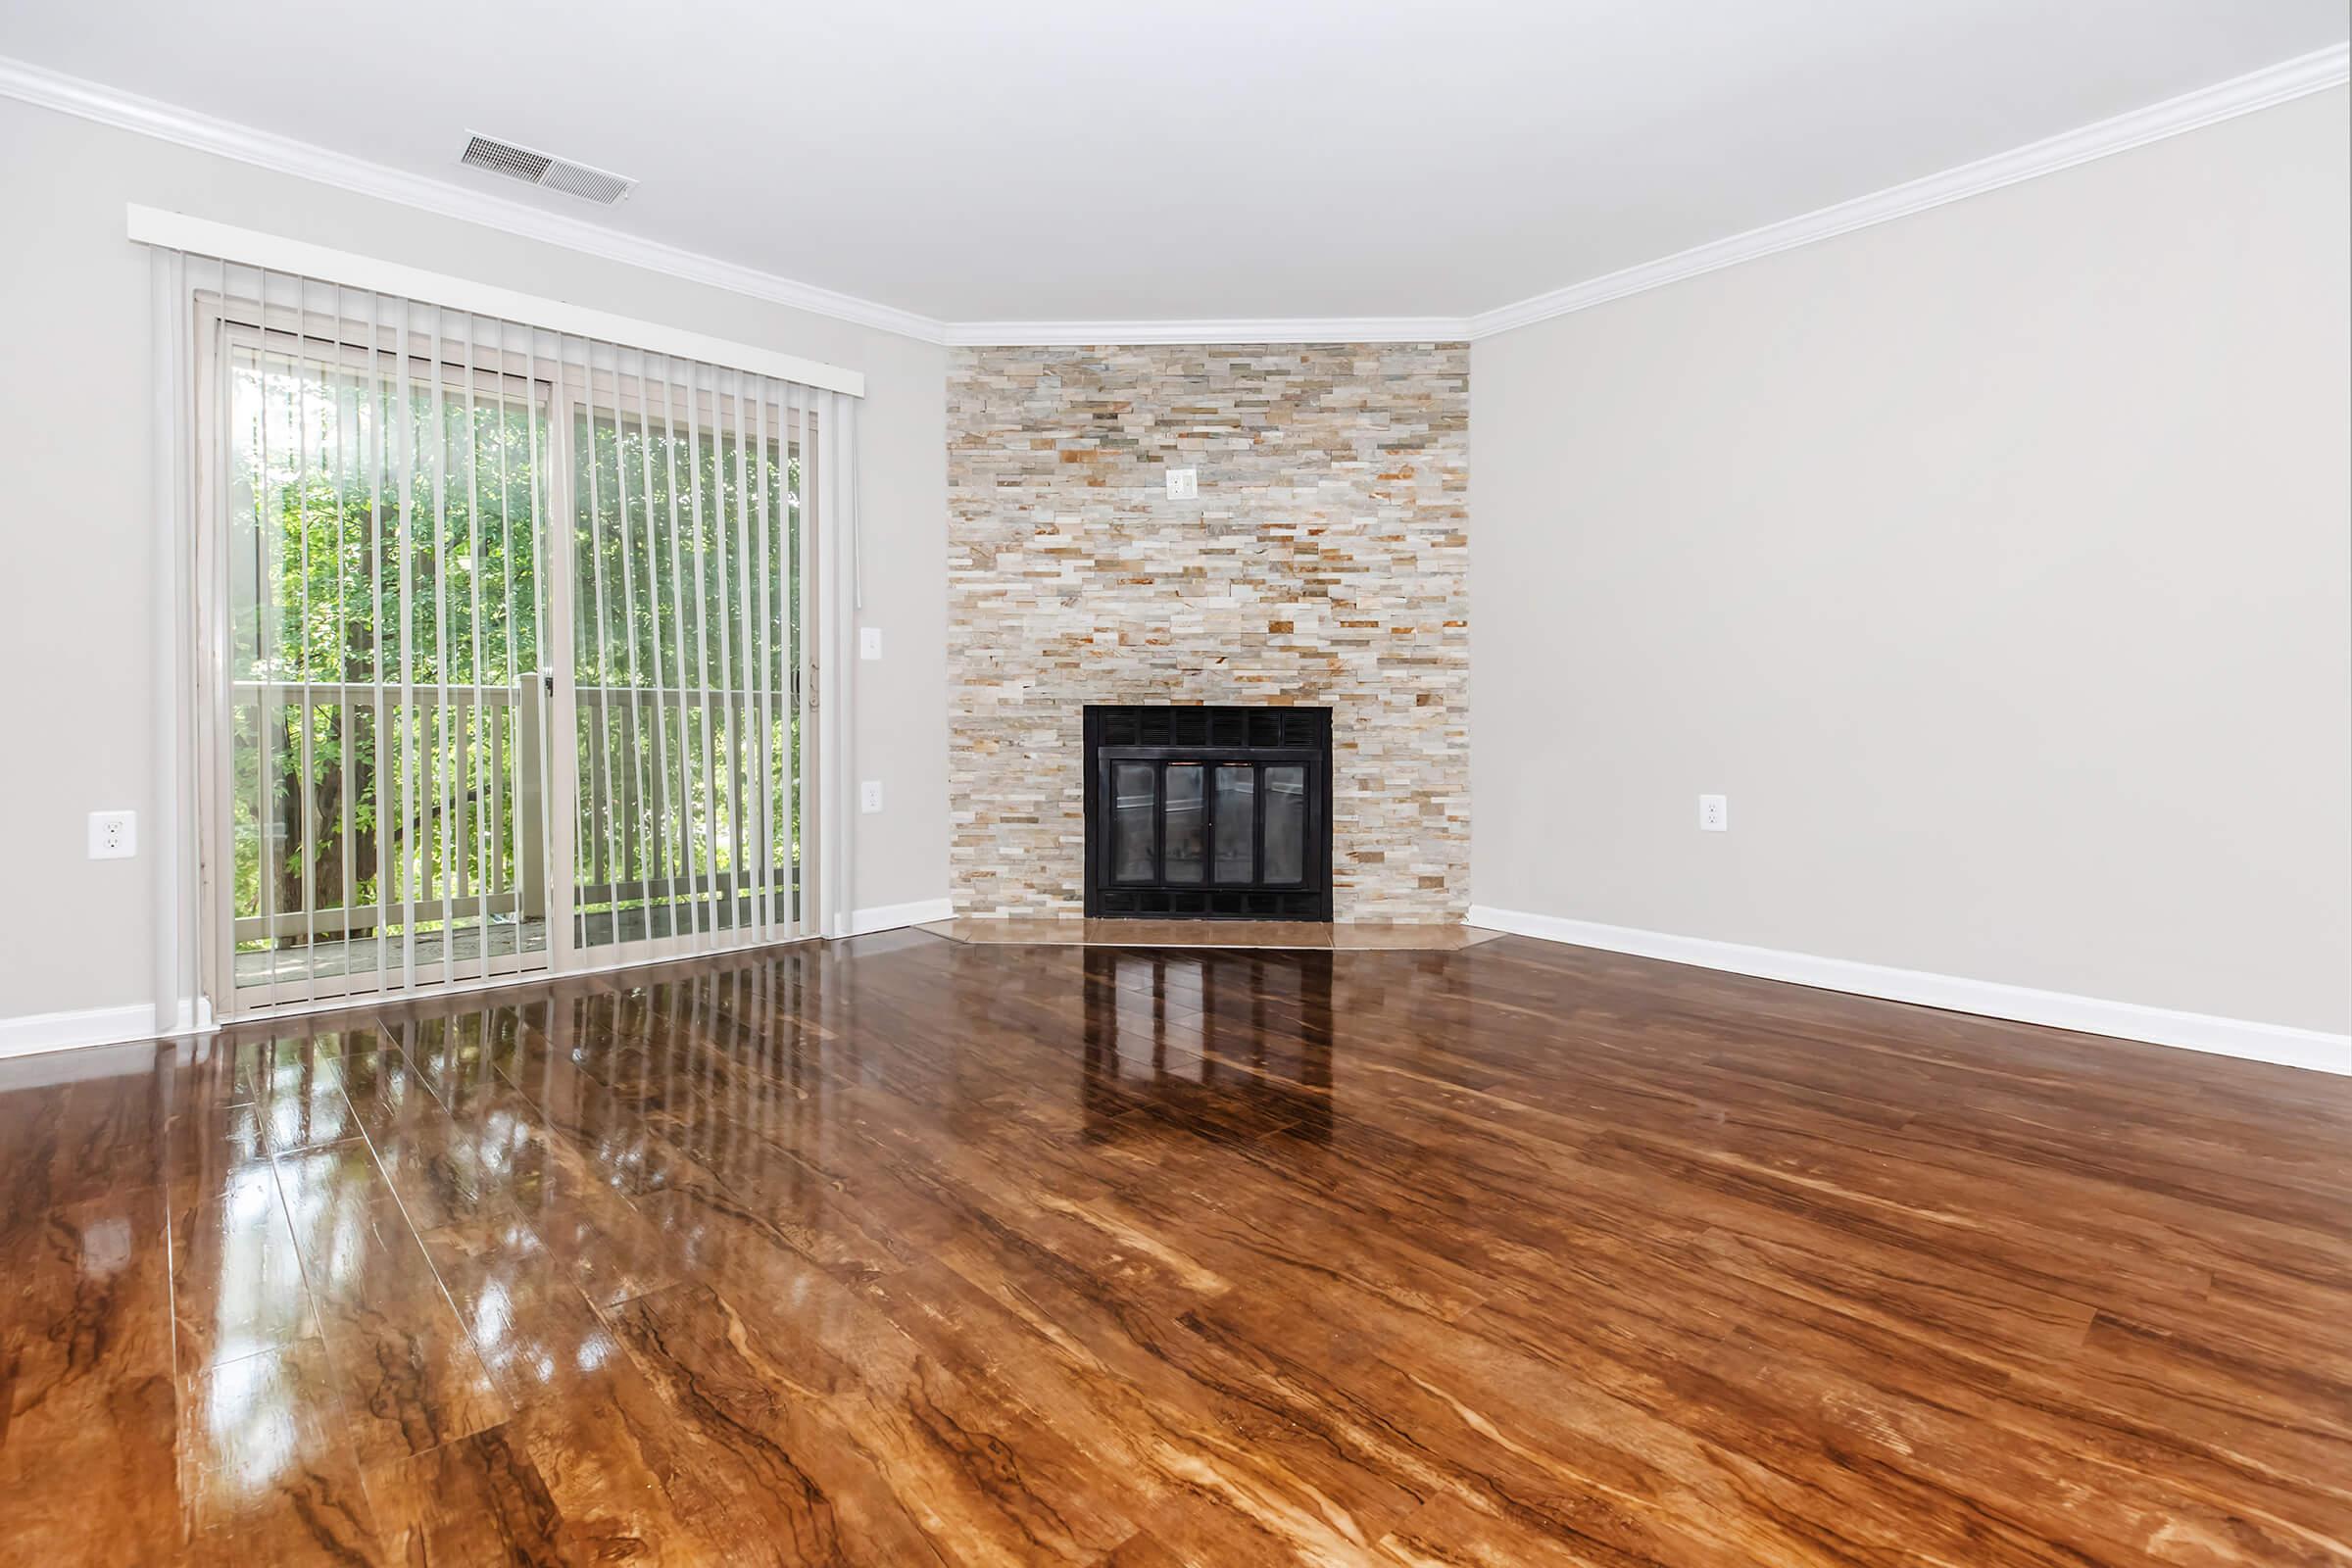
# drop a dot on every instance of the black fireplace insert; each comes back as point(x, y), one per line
point(1208, 812)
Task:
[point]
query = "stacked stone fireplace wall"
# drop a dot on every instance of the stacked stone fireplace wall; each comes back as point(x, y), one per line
point(1325, 562)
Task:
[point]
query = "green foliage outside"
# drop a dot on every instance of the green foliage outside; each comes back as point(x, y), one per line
point(318, 566)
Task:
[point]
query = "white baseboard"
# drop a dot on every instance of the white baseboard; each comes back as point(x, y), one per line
point(60, 1031)
point(97, 1026)
point(890, 916)
point(2057, 1009)
point(108, 1026)
point(2125, 1021)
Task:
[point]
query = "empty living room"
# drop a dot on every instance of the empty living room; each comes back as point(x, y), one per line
point(1359, 785)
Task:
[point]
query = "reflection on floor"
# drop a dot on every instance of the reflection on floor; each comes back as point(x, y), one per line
point(901, 1251)
point(1229, 1044)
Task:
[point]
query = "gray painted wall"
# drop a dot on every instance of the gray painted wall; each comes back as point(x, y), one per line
point(75, 480)
point(1993, 563)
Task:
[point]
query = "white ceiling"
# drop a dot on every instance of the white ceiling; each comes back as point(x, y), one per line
point(1022, 160)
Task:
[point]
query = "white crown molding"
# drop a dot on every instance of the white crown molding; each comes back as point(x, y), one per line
point(1276, 329)
point(89, 100)
point(2259, 89)
point(2280, 1043)
point(2224, 100)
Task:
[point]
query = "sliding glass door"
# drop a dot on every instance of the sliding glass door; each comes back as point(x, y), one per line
point(382, 759)
point(687, 598)
point(508, 640)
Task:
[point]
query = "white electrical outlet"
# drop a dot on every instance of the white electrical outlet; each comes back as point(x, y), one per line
point(869, 642)
point(1714, 813)
point(1184, 485)
point(114, 835)
point(869, 795)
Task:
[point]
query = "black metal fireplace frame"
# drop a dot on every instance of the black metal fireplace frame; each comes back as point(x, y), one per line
point(1208, 736)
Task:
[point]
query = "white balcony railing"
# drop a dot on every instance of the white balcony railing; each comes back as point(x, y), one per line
point(476, 847)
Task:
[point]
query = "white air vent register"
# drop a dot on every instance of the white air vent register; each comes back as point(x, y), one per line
point(599, 185)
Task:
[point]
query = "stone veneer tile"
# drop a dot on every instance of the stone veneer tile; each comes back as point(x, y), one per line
point(1325, 563)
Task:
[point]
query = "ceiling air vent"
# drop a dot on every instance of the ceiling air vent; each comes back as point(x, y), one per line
point(538, 169)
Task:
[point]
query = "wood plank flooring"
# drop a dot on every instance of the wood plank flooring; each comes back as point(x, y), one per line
point(901, 1251)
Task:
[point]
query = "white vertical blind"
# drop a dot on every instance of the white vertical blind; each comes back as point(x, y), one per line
point(506, 642)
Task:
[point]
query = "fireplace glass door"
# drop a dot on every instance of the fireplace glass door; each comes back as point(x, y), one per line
point(1208, 812)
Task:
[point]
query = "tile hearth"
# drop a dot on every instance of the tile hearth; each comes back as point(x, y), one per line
point(1345, 935)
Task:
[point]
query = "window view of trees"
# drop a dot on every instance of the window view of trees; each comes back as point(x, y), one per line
point(688, 745)
point(387, 535)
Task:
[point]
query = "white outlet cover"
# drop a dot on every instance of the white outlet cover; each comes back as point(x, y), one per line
point(1714, 813)
point(114, 835)
point(1184, 485)
point(869, 795)
point(869, 642)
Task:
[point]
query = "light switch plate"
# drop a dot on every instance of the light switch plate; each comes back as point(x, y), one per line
point(869, 642)
point(114, 835)
point(1184, 485)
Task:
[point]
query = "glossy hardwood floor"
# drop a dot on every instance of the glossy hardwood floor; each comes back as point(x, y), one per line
point(906, 1252)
